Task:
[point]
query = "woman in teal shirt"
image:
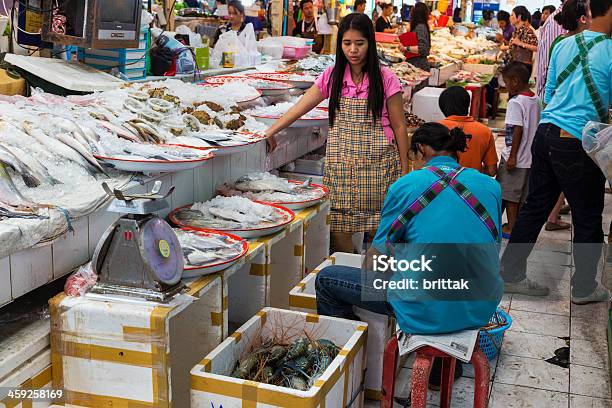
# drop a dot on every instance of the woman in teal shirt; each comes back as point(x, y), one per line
point(444, 214)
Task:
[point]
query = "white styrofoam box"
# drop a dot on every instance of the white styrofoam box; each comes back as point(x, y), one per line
point(316, 221)
point(72, 249)
point(486, 69)
point(254, 157)
point(21, 345)
point(239, 165)
point(247, 285)
point(221, 171)
point(99, 221)
point(183, 188)
point(5, 276)
point(34, 375)
point(211, 385)
point(202, 181)
point(425, 104)
point(30, 269)
point(284, 251)
point(380, 328)
point(440, 75)
point(107, 352)
point(302, 177)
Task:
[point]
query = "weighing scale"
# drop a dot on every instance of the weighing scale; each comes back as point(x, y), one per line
point(139, 255)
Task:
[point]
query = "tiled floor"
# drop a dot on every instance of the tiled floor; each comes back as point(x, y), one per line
point(521, 376)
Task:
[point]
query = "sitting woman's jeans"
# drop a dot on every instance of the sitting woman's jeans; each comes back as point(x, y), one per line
point(339, 288)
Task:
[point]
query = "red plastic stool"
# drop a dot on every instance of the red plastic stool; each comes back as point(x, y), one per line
point(420, 376)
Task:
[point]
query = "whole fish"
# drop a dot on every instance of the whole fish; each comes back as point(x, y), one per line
point(15, 136)
point(82, 150)
point(264, 182)
point(119, 131)
point(33, 164)
point(24, 171)
point(58, 147)
point(9, 193)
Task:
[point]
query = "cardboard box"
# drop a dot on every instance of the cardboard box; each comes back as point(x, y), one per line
point(380, 328)
point(341, 383)
point(133, 353)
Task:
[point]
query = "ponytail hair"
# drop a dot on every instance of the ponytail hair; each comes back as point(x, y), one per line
point(439, 138)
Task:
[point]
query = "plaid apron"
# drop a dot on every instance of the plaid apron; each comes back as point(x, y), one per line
point(445, 180)
point(360, 166)
point(582, 59)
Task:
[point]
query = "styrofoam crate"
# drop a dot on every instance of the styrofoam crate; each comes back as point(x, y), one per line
point(487, 69)
point(108, 352)
point(246, 285)
point(316, 221)
point(211, 385)
point(425, 104)
point(309, 166)
point(301, 177)
point(380, 328)
point(35, 374)
point(284, 267)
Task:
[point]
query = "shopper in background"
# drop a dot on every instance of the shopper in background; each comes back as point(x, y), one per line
point(367, 147)
point(236, 22)
point(549, 31)
point(359, 6)
point(307, 26)
point(536, 19)
point(524, 41)
point(383, 24)
point(480, 153)
point(546, 12)
point(522, 118)
point(457, 15)
point(503, 19)
point(578, 90)
point(419, 24)
point(487, 19)
point(575, 19)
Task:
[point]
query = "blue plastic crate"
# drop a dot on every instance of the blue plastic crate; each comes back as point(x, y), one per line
point(126, 60)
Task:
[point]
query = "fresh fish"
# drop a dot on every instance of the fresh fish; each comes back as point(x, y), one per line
point(24, 171)
point(119, 131)
point(58, 147)
point(264, 182)
point(144, 129)
point(15, 136)
point(9, 193)
point(194, 218)
point(79, 148)
point(33, 164)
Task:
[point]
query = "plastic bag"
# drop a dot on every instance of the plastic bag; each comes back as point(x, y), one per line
point(228, 42)
point(80, 281)
point(249, 41)
point(597, 143)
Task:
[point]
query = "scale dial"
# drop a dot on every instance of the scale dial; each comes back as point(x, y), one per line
point(162, 251)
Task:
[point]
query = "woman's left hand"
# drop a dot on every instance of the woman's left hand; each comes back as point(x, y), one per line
point(403, 49)
point(516, 41)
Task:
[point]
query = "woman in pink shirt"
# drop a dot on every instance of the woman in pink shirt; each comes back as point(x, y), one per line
point(367, 147)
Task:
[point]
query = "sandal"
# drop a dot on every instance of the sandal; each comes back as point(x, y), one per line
point(505, 235)
point(557, 226)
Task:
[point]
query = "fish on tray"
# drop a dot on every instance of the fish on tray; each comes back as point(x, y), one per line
point(270, 188)
point(199, 250)
point(230, 213)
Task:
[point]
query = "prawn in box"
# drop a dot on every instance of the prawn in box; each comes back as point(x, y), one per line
point(340, 385)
